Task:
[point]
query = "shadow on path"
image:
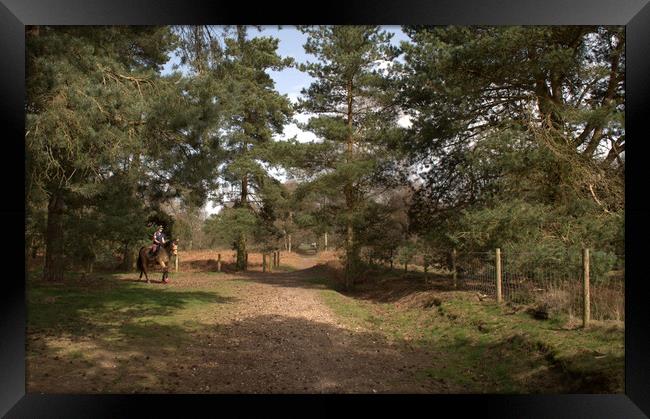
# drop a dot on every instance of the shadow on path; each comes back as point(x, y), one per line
point(387, 287)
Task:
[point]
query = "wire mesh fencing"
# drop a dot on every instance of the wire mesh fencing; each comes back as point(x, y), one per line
point(474, 271)
point(607, 296)
point(551, 284)
point(580, 283)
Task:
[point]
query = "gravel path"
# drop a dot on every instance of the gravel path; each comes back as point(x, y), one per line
point(272, 333)
point(281, 338)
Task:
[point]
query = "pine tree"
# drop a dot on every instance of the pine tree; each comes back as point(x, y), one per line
point(353, 105)
point(521, 132)
point(256, 112)
point(87, 93)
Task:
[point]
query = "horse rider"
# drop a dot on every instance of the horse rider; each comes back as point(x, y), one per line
point(158, 240)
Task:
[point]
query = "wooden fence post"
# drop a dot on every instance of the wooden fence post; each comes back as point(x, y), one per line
point(176, 263)
point(454, 273)
point(498, 275)
point(263, 262)
point(219, 262)
point(585, 288)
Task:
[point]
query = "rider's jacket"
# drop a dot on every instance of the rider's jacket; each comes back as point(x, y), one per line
point(158, 236)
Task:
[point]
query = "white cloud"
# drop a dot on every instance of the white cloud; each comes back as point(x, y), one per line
point(210, 208)
point(404, 121)
point(303, 118)
point(383, 64)
point(293, 96)
point(279, 174)
point(302, 136)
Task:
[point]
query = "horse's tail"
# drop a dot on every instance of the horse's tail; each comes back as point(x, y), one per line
point(140, 267)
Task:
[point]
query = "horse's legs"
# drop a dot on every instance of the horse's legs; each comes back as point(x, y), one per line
point(164, 275)
point(144, 269)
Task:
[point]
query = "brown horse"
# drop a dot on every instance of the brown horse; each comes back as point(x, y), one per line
point(161, 258)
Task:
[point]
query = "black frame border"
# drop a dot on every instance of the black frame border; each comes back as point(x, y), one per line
point(16, 14)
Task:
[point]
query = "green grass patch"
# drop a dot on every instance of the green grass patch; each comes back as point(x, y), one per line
point(354, 313)
point(114, 310)
point(486, 348)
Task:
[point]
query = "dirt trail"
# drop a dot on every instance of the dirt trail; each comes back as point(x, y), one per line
point(265, 332)
point(272, 333)
point(281, 338)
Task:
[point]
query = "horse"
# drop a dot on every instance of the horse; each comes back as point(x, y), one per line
point(161, 258)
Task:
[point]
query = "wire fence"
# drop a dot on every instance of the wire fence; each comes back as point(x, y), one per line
point(550, 284)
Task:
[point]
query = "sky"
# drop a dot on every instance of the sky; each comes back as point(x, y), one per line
point(290, 81)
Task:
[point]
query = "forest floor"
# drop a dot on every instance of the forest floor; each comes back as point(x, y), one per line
point(295, 330)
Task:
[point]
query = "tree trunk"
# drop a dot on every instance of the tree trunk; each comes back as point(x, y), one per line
point(349, 198)
point(244, 190)
point(31, 248)
point(289, 235)
point(53, 270)
point(240, 263)
point(454, 271)
point(126, 258)
point(326, 242)
point(349, 256)
point(241, 253)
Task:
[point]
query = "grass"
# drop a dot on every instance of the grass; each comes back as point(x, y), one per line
point(488, 348)
point(355, 315)
point(112, 334)
point(116, 309)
